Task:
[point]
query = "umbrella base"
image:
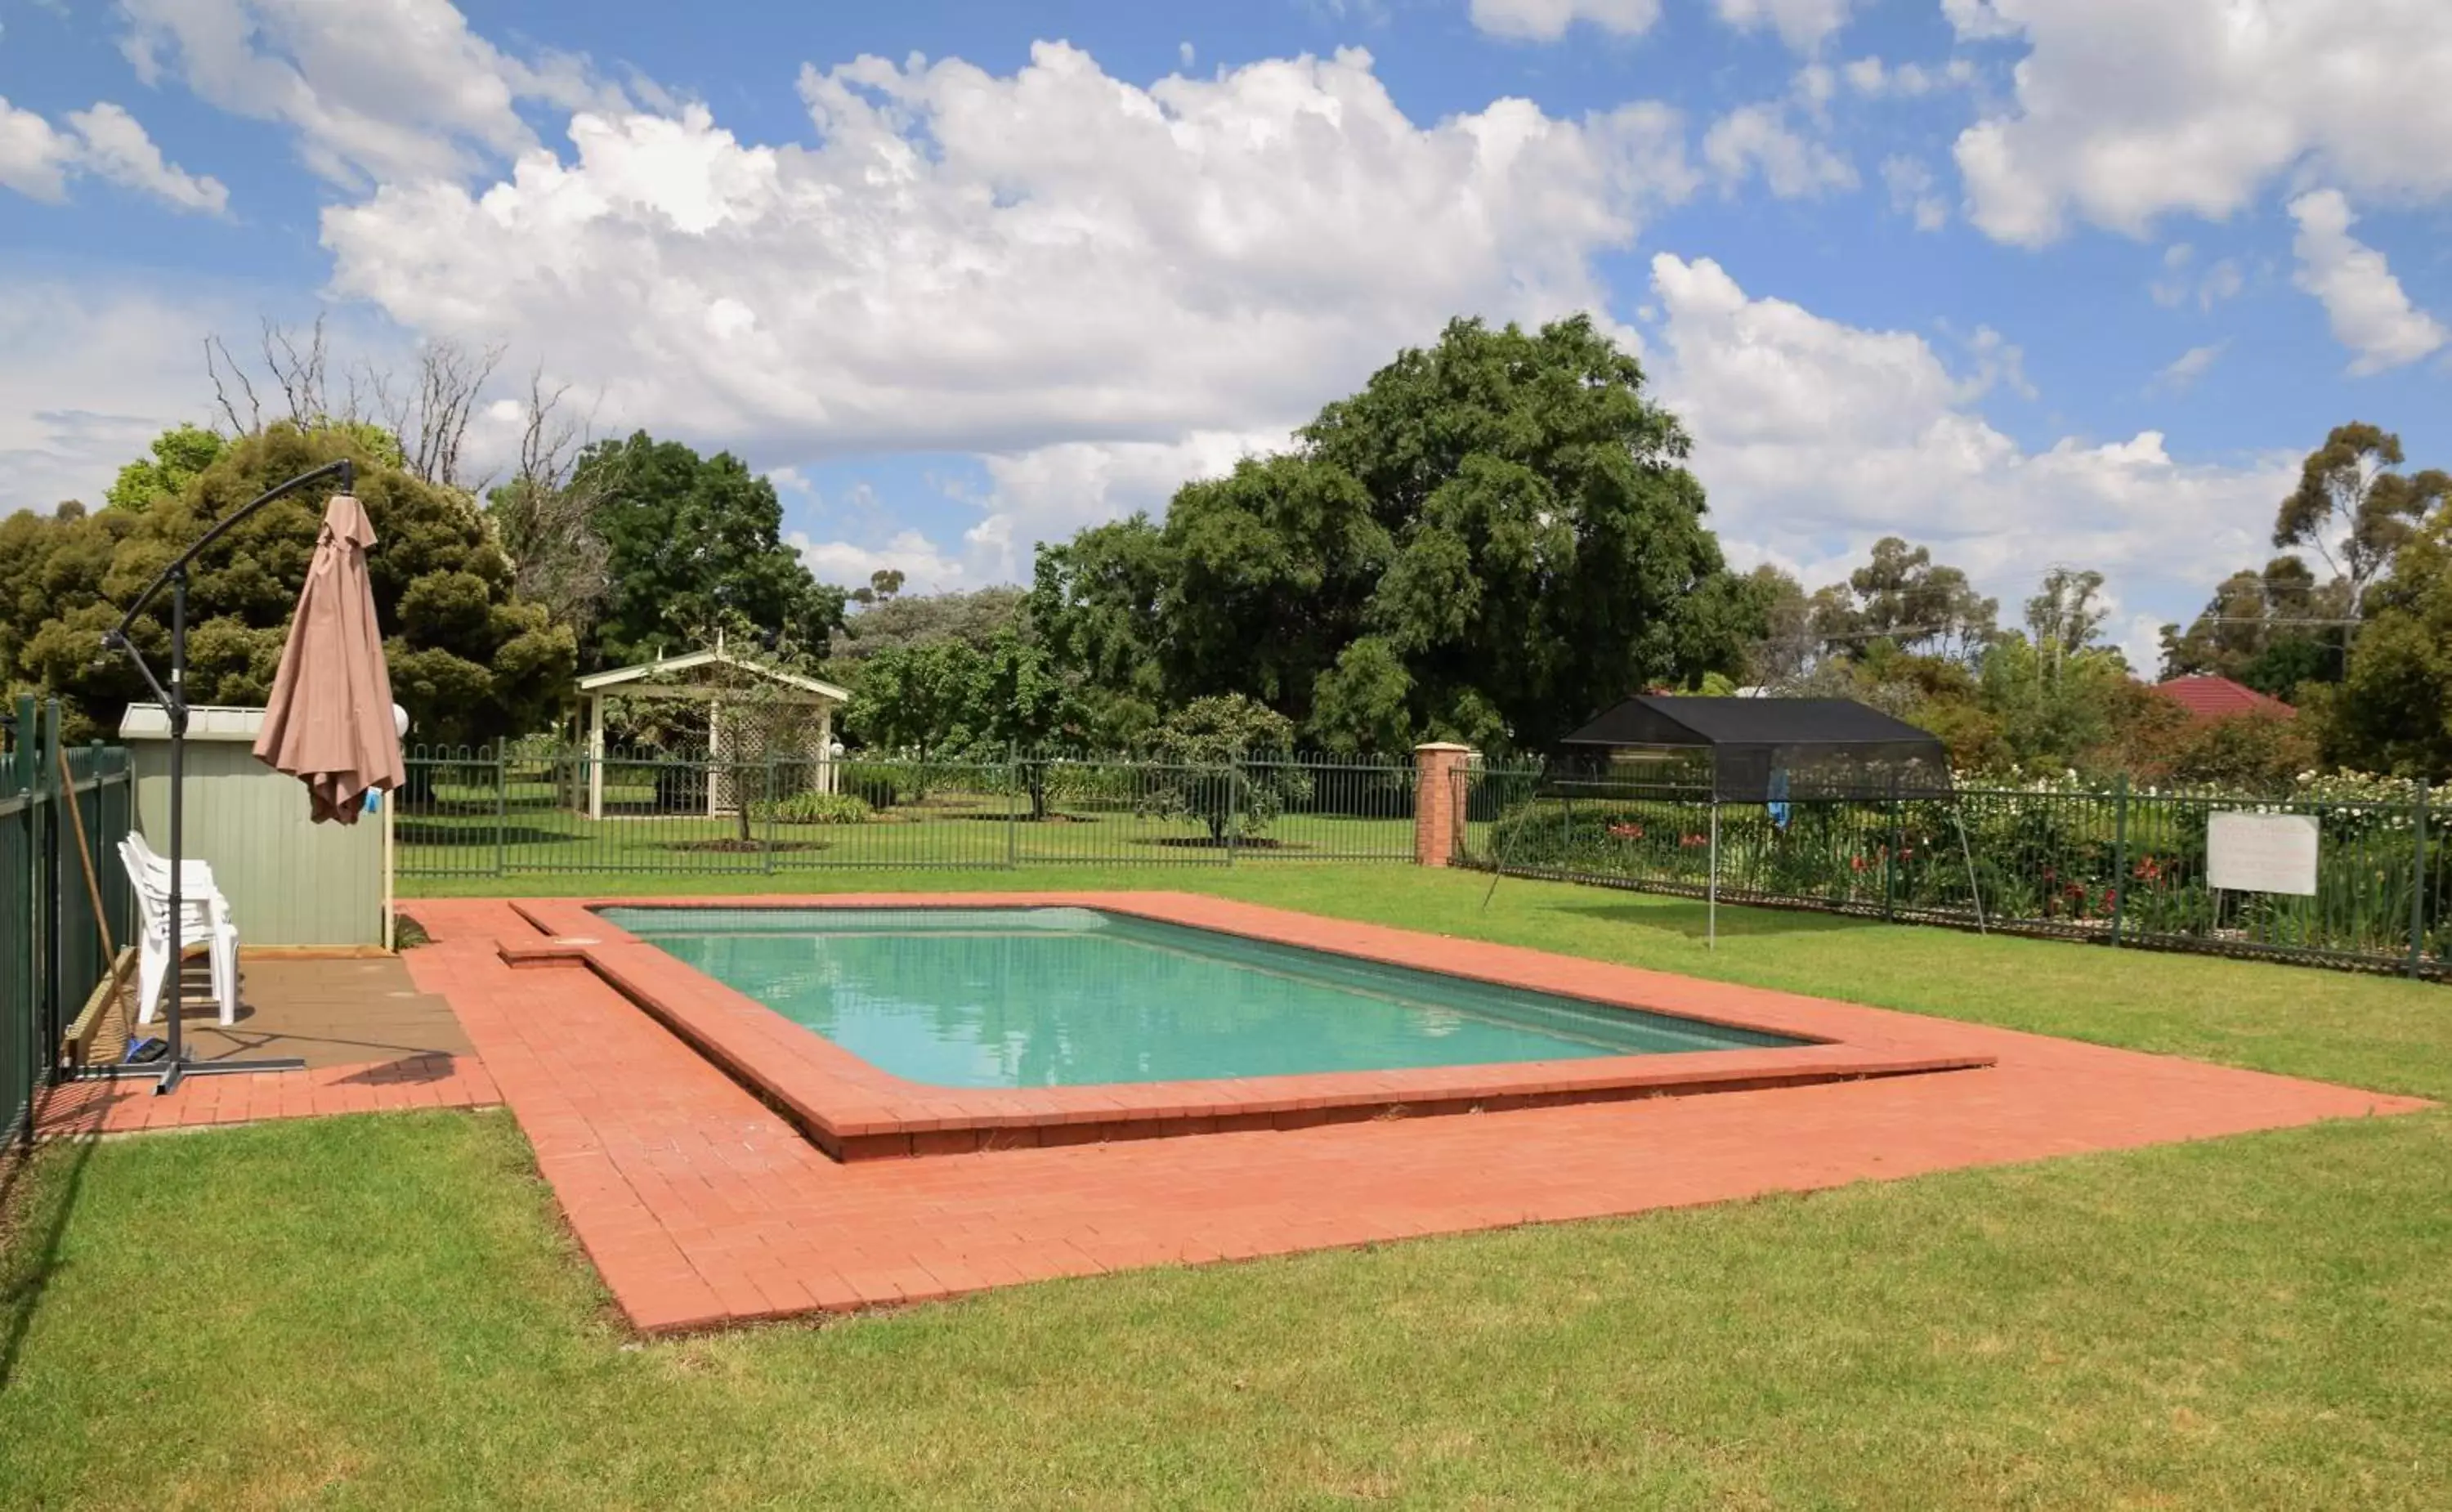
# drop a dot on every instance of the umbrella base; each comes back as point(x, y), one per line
point(172, 1072)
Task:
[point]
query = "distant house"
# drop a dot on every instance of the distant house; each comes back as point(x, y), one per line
point(2221, 698)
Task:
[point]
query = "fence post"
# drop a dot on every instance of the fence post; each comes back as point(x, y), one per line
point(2119, 857)
point(773, 803)
point(1233, 804)
point(1014, 790)
point(25, 1052)
point(501, 809)
point(2417, 885)
point(54, 859)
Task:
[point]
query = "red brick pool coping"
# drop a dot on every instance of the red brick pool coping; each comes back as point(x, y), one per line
point(700, 1206)
point(854, 1110)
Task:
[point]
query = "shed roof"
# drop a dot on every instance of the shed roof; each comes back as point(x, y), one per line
point(1662, 720)
point(715, 655)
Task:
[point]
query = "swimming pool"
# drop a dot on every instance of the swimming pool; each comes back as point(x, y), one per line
point(1071, 996)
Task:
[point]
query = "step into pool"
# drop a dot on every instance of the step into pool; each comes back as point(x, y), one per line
point(1069, 996)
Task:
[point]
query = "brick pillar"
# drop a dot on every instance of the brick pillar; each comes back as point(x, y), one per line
point(1438, 801)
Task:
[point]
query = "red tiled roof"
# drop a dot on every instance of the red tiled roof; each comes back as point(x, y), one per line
point(2220, 697)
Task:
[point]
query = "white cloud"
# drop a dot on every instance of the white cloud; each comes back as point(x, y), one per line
point(1816, 439)
point(1757, 138)
point(381, 89)
point(1548, 20)
point(36, 158)
point(2181, 281)
point(1912, 194)
point(2369, 312)
point(979, 262)
point(2182, 371)
point(1801, 24)
point(117, 148)
point(924, 568)
point(2127, 109)
point(93, 375)
point(1872, 78)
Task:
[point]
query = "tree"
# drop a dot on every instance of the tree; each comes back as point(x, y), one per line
point(2272, 630)
point(1901, 596)
point(547, 518)
point(467, 661)
point(2066, 614)
point(1202, 774)
point(1020, 702)
point(921, 698)
point(1789, 648)
point(884, 584)
point(2353, 510)
point(171, 465)
point(1097, 601)
point(2393, 712)
point(692, 541)
point(1493, 539)
point(904, 619)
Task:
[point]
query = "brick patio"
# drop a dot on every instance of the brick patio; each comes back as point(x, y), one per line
point(701, 1207)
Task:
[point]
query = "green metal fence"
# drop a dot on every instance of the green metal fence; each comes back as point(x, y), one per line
point(2120, 867)
point(534, 808)
point(51, 954)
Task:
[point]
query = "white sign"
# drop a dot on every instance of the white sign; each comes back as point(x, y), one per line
point(2262, 853)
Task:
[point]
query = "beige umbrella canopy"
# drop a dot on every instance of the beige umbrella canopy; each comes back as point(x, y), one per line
point(329, 722)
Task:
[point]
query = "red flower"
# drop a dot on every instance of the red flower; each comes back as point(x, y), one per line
point(1627, 832)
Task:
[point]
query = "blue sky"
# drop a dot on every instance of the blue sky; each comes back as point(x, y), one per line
point(2035, 281)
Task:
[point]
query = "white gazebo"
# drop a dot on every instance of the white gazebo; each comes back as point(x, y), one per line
point(793, 715)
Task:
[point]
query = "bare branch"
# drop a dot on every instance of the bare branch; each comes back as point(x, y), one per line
point(224, 370)
point(545, 517)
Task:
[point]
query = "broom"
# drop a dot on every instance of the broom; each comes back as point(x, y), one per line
point(106, 1001)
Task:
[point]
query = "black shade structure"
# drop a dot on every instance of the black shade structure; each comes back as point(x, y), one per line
point(175, 1066)
point(1769, 751)
point(1765, 750)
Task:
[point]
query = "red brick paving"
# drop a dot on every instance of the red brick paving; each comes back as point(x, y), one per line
point(856, 1111)
point(370, 1087)
point(700, 1206)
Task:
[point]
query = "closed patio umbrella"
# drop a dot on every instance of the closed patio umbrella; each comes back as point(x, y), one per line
point(330, 720)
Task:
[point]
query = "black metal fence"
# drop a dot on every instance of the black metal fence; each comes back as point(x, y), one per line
point(52, 952)
point(540, 807)
point(2121, 867)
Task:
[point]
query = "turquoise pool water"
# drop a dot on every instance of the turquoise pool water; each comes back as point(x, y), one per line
point(1074, 997)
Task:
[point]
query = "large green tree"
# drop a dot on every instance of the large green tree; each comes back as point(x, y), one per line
point(2353, 508)
point(692, 542)
point(1495, 537)
point(2393, 712)
point(2273, 629)
point(467, 661)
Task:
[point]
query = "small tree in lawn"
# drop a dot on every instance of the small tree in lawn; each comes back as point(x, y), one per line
point(1204, 748)
point(1020, 702)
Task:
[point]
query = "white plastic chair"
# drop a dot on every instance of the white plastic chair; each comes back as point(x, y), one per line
point(195, 877)
point(204, 920)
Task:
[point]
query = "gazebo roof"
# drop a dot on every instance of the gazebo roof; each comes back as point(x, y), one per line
point(713, 656)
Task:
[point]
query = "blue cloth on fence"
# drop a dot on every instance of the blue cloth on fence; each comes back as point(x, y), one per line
point(1778, 804)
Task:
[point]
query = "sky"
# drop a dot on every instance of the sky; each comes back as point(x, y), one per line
point(2035, 283)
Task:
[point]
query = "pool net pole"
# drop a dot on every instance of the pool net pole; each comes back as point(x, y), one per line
point(1967, 854)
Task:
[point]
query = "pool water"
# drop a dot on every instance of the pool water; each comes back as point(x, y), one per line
point(1075, 997)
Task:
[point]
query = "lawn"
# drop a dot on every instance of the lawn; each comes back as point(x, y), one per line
point(382, 1311)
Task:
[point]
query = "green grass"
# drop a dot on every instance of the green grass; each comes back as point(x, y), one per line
point(382, 1311)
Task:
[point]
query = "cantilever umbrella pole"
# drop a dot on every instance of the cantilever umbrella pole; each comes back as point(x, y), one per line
point(176, 1065)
